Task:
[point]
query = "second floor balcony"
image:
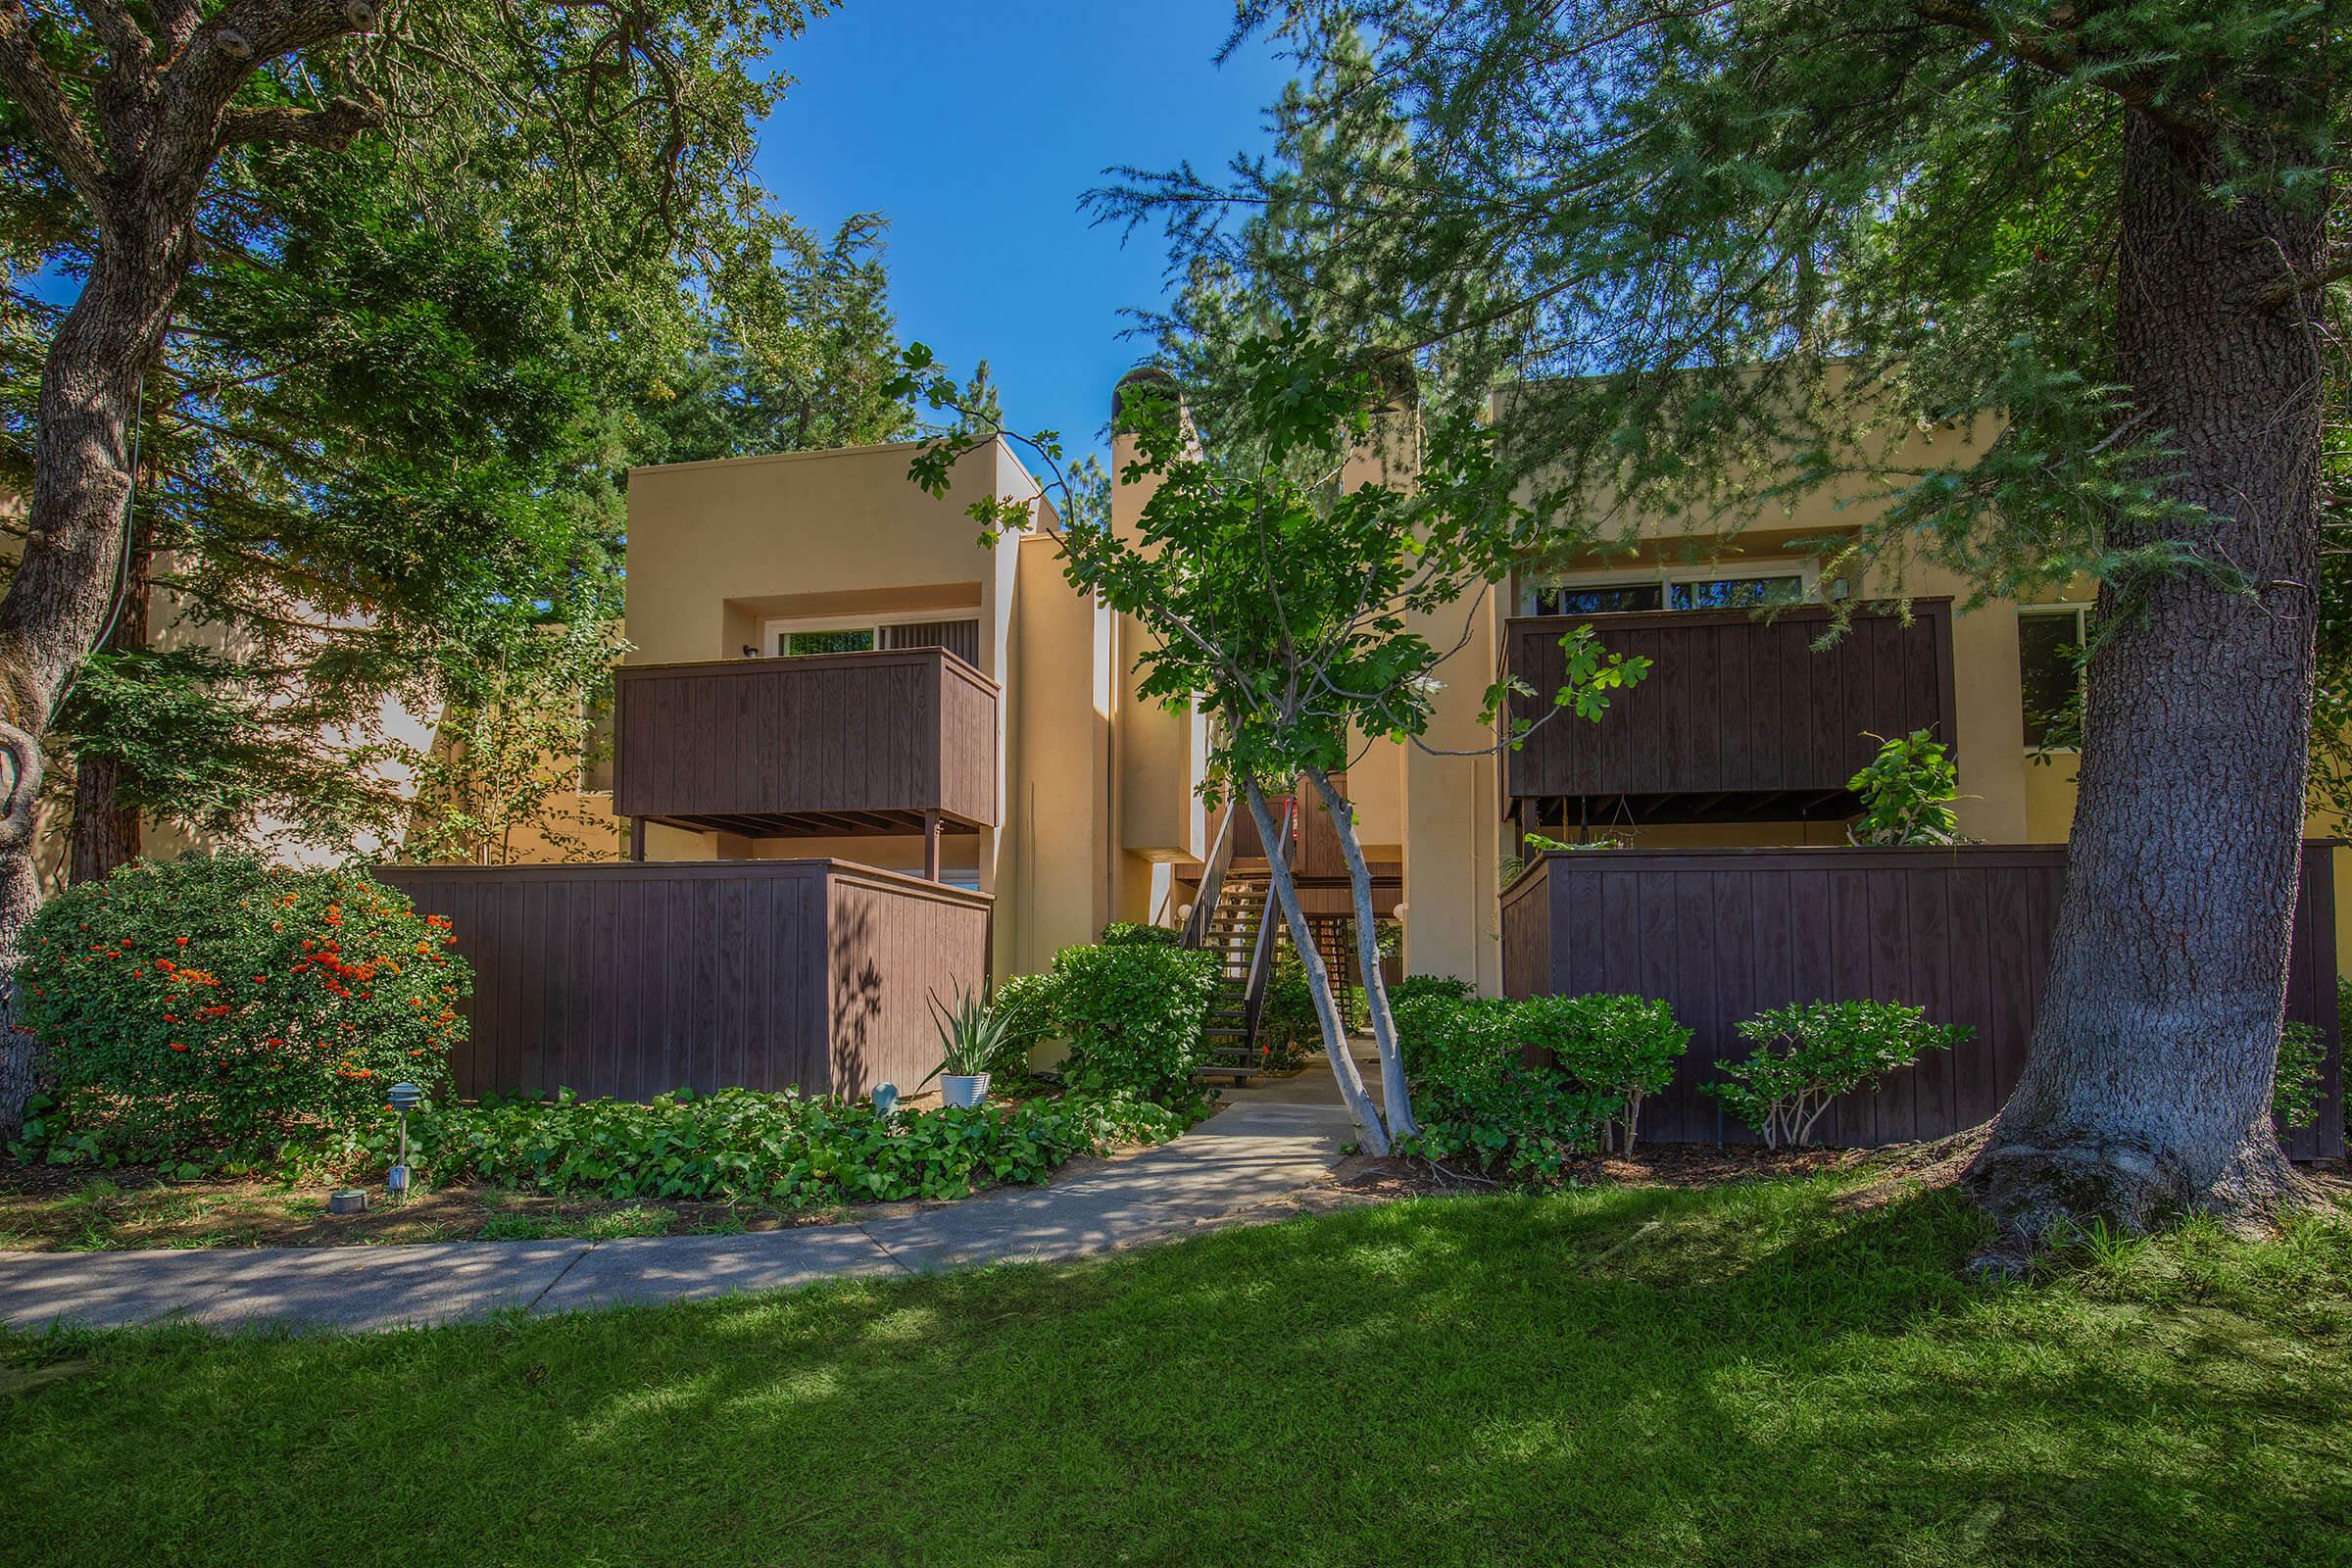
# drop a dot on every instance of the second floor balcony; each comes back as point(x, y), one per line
point(1740, 718)
point(825, 746)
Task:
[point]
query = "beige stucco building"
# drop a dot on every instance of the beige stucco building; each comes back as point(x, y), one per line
point(1094, 814)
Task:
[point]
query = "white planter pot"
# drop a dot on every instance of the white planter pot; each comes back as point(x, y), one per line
point(955, 1089)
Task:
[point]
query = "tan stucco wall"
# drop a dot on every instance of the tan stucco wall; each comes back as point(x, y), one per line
point(1452, 819)
point(718, 548)
point(1055, 886)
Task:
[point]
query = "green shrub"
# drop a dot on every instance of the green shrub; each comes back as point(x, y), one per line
point(1416, 987)
point(1618, 1047)
point(1026, 1003)
point(1809, 1054)
point(1907, 793)
point(1287, 1026)
point(1134, 1012)
point(1471, 1093)
point(1122, 933)
point(777, 1149)
point(2296, 1087)
point(218, 1006)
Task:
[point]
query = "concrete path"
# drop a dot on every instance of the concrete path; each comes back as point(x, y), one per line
point(1268, 1143)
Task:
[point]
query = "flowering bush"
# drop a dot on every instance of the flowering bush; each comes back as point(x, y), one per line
point(779, 1148)
point(220, 1006)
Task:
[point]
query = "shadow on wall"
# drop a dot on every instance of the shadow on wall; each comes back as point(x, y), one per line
point(856, 1013)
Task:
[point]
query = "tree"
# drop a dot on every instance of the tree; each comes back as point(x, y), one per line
point(1284, 576)
point(1716, 257)
point(509, 748)
point(627, 124)
point(797, 354)
point(379, 448)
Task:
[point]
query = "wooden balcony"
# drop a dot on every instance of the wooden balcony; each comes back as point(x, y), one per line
point(838, 745)
point(1738, 720)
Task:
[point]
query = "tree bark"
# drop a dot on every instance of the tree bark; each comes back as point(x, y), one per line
point(2146, 1093)
point(1395, 1095)
point(64, 581)
point(105, 831)
point(1319, 979)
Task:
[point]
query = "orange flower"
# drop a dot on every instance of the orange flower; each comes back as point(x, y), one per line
point(180, 941)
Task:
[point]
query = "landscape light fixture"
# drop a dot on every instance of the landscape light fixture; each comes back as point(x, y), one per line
point(402, 1097)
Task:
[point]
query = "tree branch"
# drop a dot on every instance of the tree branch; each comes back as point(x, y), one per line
point(2058, 54)
point(331, 128)
point(2334, 269)
point(60, 133)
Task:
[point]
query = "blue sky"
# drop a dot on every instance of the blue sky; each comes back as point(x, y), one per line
point(974, 129)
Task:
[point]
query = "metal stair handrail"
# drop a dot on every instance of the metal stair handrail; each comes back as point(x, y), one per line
point(1261, 959)
point(1212, 881)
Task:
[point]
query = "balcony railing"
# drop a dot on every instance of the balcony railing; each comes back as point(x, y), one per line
point(1740, 719)
point(821, 746)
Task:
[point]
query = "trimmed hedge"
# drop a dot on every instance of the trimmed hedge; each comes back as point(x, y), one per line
point(1134, 1012)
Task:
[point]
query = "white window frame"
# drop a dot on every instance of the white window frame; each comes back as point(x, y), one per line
point(1665, 578)
point(868, 622)
point(2081, 609)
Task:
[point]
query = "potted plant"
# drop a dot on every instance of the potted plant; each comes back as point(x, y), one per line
point(970, 1035)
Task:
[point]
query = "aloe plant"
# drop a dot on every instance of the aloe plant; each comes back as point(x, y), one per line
point(970, 1034)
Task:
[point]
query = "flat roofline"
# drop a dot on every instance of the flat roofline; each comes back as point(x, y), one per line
point(1003, 448)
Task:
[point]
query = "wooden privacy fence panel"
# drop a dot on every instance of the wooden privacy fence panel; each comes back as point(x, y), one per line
point(631, 980)
point(1723, 934)
point(1734, 705)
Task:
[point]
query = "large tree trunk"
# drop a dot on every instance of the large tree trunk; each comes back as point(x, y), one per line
point(1396, 1095)
point(65, 582)
point(2147, 1090)
point(1319, 979)
point(106, 829)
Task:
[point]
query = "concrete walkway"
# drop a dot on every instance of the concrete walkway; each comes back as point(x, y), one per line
point(1267, 1144)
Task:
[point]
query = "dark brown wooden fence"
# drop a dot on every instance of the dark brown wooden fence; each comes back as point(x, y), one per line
point(833, 745)
point(1739, 718)
point(630, 980)
point(1722, 933)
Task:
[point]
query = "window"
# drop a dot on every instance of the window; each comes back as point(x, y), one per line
point(2049, 645)
point(1597, 599)
point(1539, 596)
point(1735, 593)
point(841, 640)
point(960, 636)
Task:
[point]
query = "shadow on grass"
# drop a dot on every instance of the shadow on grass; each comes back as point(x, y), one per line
point(1734, 1376)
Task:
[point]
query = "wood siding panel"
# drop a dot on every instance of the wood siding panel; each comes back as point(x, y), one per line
point(1723, 934)
point(1732, 704)
point(912, 730)
point(634, 980)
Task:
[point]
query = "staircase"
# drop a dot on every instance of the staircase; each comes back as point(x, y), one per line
point(1232, 935)
point(1335, 941)
point(1230, 918)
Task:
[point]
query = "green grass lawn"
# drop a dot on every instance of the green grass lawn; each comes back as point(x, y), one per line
point(1748, 1375)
